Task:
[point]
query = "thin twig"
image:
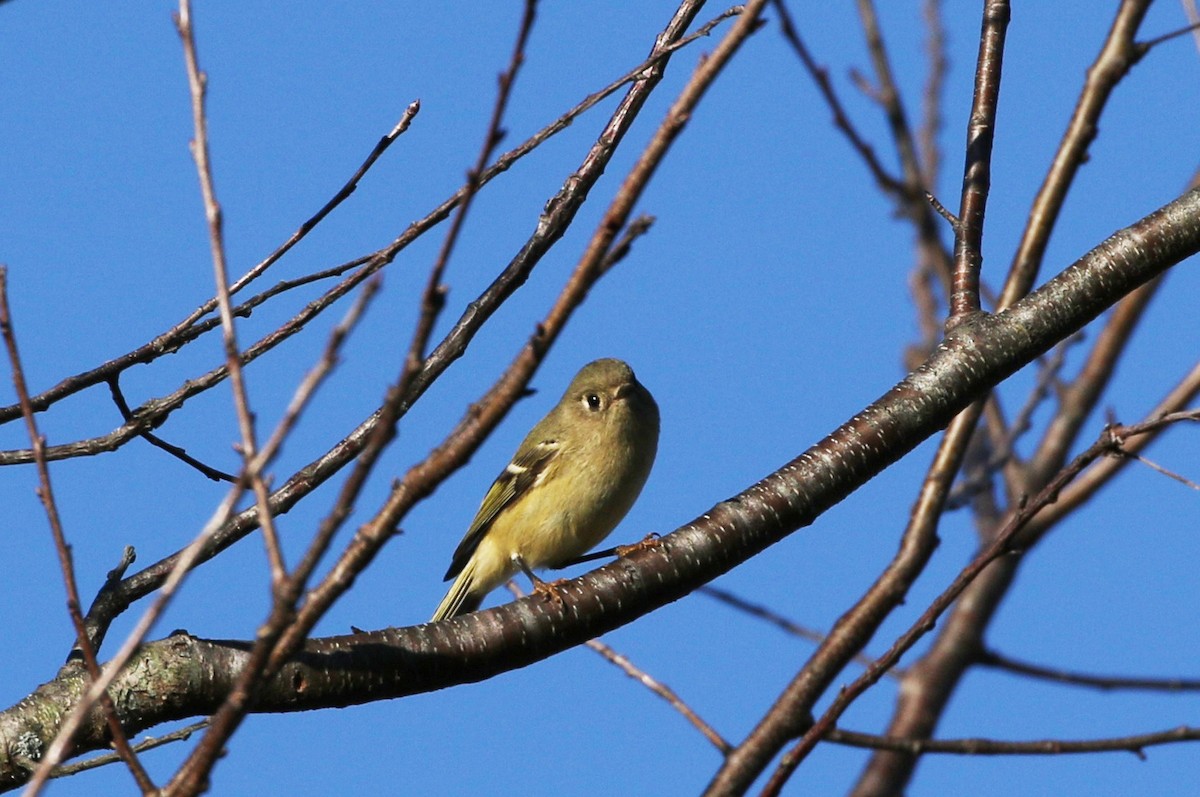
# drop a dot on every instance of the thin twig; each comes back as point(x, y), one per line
point(181, 735)
point(781, 622)
point(342, 194)
point(1130, 744)
point(316, 375)
point(1116, 58)
point(198, 87)
point(931, 97)
point(841, 120)
point(943, 211)
point(1164, 471)
point(154, 412)
point(1105, 683)
point(46, 494)
point(977, 171)
point(1101, 473)
point(1192, 28)
point(114, 387)
point(635, 229)
point(663, 691)
point(656, 686)
point(887, 94)
point(112, 581)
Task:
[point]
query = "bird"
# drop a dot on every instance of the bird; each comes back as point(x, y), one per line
point(571, 481)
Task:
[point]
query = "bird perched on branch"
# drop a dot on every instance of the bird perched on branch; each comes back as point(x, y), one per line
point(570, 483)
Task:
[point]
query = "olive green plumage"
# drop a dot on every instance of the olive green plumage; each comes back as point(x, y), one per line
point(570, 483)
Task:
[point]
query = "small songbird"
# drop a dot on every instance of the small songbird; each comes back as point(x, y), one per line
point(571, 481)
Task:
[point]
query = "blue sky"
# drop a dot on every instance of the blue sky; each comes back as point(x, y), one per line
point(768, 304)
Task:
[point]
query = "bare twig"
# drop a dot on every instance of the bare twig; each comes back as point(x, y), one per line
point(663, 691)
point(112, 581)
point(83, 644)
point(977, 172)
point(841, 120)
point(781, 622)
point(1192, 28)
point(1101, 473)
point(181, 735)
point(153, 413)
point(656, 686)
point(197, 84)
point(932, 256)
point(1116, 58)
point(1106, 683)
point(1130, 744)
point(931, 98)
point(1164, 471)
point(620, 249)
point(910, 191)
point(888, 95)
point(944, 212)
point(114, 387)
point(342, 194)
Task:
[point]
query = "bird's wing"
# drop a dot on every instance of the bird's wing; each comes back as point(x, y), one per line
point(513, 482)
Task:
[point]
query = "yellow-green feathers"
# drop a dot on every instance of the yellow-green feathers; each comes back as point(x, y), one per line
point(571, 482)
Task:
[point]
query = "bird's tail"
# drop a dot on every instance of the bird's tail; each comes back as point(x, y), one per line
point(459, 599)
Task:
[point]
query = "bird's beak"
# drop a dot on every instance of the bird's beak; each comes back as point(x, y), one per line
point(625, 390)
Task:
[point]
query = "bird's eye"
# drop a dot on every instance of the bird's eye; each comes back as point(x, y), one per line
point(593, 401)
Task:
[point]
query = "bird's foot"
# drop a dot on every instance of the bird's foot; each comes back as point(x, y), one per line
point(649, 542)
point(550, 590)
